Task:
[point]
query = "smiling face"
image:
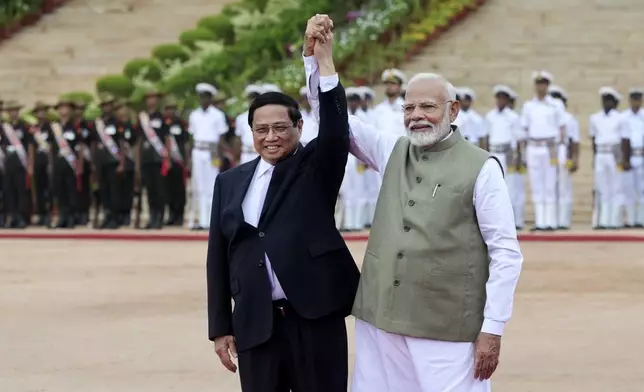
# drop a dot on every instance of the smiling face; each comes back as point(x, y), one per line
point(275, 133)
point(428, 111)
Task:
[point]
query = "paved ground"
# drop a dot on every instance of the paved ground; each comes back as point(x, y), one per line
point(129, 317)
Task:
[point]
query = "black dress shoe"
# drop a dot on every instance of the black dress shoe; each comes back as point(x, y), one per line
point(536, 229)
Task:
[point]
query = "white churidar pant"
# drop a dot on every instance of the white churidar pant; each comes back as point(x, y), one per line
point(388, 362)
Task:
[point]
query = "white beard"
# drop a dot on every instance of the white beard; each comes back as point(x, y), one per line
point(432, 136)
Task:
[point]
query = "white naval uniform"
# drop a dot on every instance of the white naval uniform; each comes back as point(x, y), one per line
point(390, 116)
point(353, 193)
point(606, 130)
point(388, 362)
point(564, 177)
point(503, 129)
point(542, 120)
point(632, 128)
point(372, 179)
point(243, 131)
point(467, 126)
point(206, 127)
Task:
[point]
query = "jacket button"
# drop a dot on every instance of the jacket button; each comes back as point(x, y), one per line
point(396, 283)
point(418, 180)
point(260, 264)
point(410, 202)
point(261, 234)
point(425, 157)
point(399, 255)
point(406, 228)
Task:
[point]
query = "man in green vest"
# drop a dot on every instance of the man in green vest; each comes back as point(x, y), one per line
point(443, 260)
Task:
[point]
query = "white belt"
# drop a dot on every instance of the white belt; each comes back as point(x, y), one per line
point(606, 148)
point(637, 152)
point(199, 145)
point(500, 148)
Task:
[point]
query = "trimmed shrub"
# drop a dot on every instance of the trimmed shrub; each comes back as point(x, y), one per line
point(191, 37)
point(169, 53)
point(150, 69)
point(118, 85)
point(78, 96)
point(221, 26)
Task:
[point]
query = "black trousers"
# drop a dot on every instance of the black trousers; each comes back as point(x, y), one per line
point(17, 196)
point(43, 184)
point(108, 182)
point(154, 184)
point(85, 192)
point(65, 187)
point(176, 190)
point(126, 194)
point(301, 356)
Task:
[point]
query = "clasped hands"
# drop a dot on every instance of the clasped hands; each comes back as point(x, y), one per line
point(318, 42)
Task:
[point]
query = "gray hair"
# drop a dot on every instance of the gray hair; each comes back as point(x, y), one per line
point(450, 90)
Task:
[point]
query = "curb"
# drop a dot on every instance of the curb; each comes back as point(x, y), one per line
point(143, 237)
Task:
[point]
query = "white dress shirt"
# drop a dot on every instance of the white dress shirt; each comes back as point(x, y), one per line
point(207, 125)
point(502, 126)
point(491, 201)
point(543, 119)
point(606, 127)
point(632, 128)
point(252, 208)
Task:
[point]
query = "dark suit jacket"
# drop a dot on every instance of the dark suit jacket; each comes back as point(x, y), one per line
point(296, 230)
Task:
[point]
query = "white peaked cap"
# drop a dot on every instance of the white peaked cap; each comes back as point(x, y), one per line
point(514, 94)
point(368, 91)
point(253, 89)
point(269, 87)
point(636, 90)
point(389, 75)
point(353, 91)
point(536, 75)
point(303, 91)
point(552, 89)
point(463, 91)
point(610, 91)
point(502, 88)
point(206, 88)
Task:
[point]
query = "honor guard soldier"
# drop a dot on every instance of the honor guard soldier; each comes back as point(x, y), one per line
point(106, 157)
point(567, 161)
point(155, 157)
point(242, 129)
point(19, 161)
point(543, 119)
point(177, 131)
point(43, 164)
point(389, 113)
point(516, 178)
point(310, 126)
point(127, 140)
point(3, 211)
point(605, 131)
point(632, 134)
point(475, 126)
point(68, 164)
point(230, 145)
point(207, 125)
point(84, 131)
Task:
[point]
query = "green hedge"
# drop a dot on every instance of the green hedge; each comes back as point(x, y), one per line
point(78, 96)
point(191, 37)
point(170, 53)
point(221, 26)
point(14, 10)
point(118, 85)
point(148, 69)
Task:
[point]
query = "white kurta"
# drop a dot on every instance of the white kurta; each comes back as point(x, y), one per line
point(391, 363)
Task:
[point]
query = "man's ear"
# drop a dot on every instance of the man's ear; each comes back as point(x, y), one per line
point(455, 107)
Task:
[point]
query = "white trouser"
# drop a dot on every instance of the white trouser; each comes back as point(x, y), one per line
point(388, 362)
point(516, 188)
point(204, 175)
point(633, 190)
point(564, 189)
point(372, 189)
point(608, 185)
point(543, 184)
point(352, 195)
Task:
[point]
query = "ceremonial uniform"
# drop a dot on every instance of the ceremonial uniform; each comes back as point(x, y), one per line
point(309, 123)
point(42, 166)
point(84, 131)
point(105, 139)
point(177, 131)
point(470, 123)
point(542, 119)
point(389, 113)
point(17, 141)
point(153, 168)
point(242, 128)
point(128, 139)
point(67, 181)
point(605, 129)
point(206, 126)
point(372, 181)
point(632, 131)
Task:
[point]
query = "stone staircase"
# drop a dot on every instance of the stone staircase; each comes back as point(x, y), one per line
point(86, 39)
point(585, 44)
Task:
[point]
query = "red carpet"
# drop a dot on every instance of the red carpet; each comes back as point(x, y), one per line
point(178, 235)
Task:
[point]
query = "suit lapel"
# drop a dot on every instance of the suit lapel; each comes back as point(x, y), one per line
point(242, 186)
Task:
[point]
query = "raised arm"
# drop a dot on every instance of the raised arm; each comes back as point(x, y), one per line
point(367, 143)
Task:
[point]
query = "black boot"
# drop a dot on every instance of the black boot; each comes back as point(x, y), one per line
point(18, 222)
point(126, 220)
point(151, 220)
point(83, 219)
point(2, 221)
point(158, 222)
point(62, 221)
point(46, 222)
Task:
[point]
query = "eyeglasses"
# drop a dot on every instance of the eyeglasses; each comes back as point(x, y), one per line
point(279, 129)
point(425, 107)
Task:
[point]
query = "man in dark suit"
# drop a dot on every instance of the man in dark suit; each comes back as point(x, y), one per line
point(274, 249)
